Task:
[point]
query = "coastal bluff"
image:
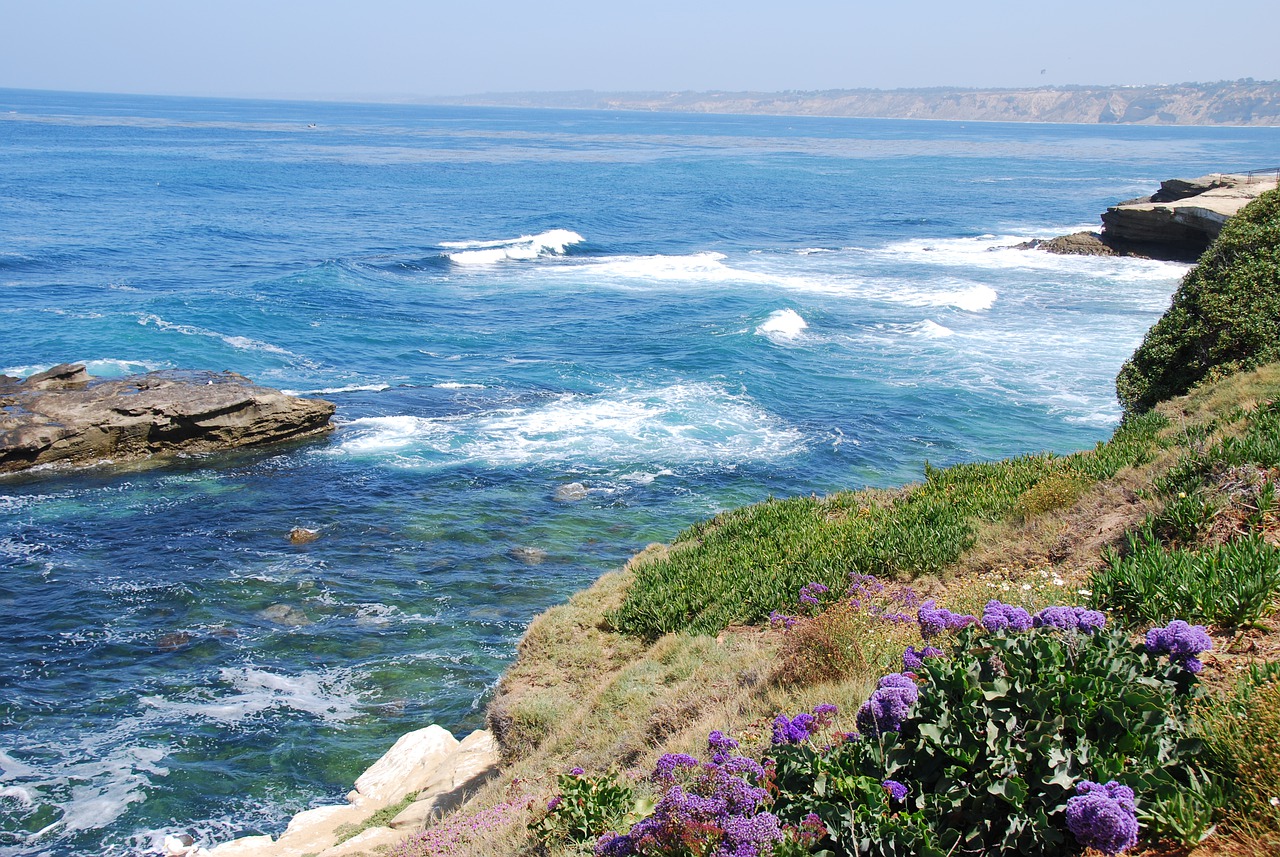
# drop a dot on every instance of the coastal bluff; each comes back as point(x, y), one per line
point(1177, 223)
point(64, 416)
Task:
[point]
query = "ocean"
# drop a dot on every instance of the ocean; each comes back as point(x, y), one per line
point(682, 313)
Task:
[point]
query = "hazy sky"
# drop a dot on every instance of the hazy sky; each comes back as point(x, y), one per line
point(396, 48)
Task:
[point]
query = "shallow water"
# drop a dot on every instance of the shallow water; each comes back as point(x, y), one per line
point(684, 313)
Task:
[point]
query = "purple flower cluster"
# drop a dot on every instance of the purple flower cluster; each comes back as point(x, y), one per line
point(800, 728)
point(1181, 642)
point(914, 660)
point(934, 620)
point(1070, 619)
point(666, 767)
point(713, 809)
point(896, 790)
point(1103, 817)
point(776, 619)
point(719, 746)
point(1000, 617)
point(809, 594)
point(889, 705)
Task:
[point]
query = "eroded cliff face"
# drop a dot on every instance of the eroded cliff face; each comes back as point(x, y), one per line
point(1241, 102)
point(65, 416)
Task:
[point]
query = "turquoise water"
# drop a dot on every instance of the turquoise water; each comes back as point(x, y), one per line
point(683, 313)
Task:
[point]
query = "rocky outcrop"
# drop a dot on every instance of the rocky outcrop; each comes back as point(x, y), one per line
point(65, 416)
point(1180, 220)
point(429, 764)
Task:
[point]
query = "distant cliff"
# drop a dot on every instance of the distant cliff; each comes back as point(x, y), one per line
point(1240, 102)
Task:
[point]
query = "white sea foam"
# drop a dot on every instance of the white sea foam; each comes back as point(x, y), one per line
point(22, 797)
point(680, 423)
point(242, 343)
point(782, 326)
point(973, 297)
point(457, 385)
point(929, 329)
point(325, 391)
point(524, 248)
point(326, 695)
point(101, 368)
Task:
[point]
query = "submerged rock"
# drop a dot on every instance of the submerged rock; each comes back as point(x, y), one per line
point(286, 615)
point(528, 556)
point(570, 493)
point(65, 416)
point(302, 536)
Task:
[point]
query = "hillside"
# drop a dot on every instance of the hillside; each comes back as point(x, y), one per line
point(1242, 102)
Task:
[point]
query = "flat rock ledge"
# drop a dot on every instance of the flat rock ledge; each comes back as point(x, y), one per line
point(1176, 223)
point(429, 765)
point(65, 416)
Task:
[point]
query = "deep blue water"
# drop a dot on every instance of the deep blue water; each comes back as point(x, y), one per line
point(684, 313)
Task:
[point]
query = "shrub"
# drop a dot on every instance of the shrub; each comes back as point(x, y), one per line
point(1225, 317)
point(1231, 585)
point(583, 810)
point(994, 748)
point(1242, 742)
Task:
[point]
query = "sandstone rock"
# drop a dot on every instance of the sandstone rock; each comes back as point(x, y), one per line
point(570, 493)
point(1181, 219)
point(245, 846)
point(365, 842)
point(1075, 244)
point(302, 536)
point(528, 556)
point(407, 766)
point(65, 416)
point(315, 830)
point(456, 779)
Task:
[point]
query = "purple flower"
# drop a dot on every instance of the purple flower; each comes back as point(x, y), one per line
point(809, 594)
point(554, 802)
point(914, 660)
point(576, 772)
point(934, 620)
point(897, 791)
point(719, 745)
point(776, 619)
point(1103, 817)
point(1070, 619)
point(667, 764)
point(824, 712)
point(1000, 617)
point(1181, 642)
point(889, 705)
point(794, 731)
point(613, 845)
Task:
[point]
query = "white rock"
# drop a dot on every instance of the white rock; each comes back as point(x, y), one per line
point(245, 846)
point(407, 766)
point(365, 843)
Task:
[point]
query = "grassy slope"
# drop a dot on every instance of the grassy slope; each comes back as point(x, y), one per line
point(1029, 531)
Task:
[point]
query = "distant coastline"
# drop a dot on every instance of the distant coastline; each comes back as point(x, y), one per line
point(1241, 102)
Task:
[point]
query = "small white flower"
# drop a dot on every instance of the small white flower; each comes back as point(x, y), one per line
point(1026, 587)
point(1058, 581)
point(1085, 591)
point(1275, 801)
point(1004, 587)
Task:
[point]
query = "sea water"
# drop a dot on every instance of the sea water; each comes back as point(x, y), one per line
point(682, 313)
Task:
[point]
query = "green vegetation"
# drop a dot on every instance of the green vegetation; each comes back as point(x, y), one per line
point(1082, 706)
point(1225, 316)
point(741, 565)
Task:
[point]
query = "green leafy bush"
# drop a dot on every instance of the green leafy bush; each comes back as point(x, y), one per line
point(1002, 732)
point(1225, 316)
point(1231, 585)
point(584, 809)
